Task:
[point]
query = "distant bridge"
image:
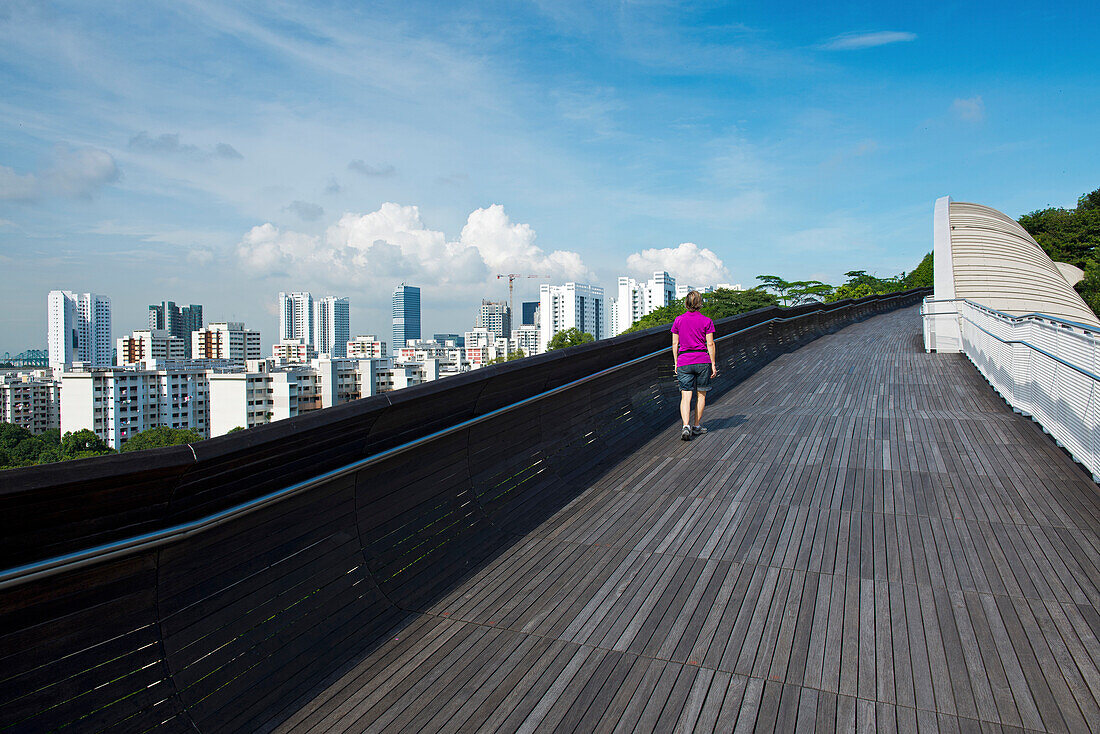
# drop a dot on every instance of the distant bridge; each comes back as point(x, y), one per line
point(868, 537)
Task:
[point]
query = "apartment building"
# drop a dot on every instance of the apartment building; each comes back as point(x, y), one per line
point(78, 329)
point(293, 351)
point(118, 403)
point(31, 400)
point(573, 305)
point(366, 346)
point(636, 299)
point(226, 340)
point(146, 344)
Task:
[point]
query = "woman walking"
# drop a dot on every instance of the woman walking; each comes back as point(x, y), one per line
point(694, 354)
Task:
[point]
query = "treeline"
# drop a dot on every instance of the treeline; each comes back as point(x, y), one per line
point(717, 305)
point(1072, 236)
point(775, 291)
point(19, 447)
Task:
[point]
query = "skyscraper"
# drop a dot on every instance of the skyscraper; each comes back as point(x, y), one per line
point(226, 340)
point(79, 328)
point(331, 326)
point(406, 315)
point(496, 317)
point(638, 299)
point(178, 322)
point(529, 312)
point(573, 305)
point(296, 317)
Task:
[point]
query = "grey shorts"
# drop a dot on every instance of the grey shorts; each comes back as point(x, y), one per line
point(694, 377)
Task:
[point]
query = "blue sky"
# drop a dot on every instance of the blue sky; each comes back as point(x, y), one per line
point(211, 154)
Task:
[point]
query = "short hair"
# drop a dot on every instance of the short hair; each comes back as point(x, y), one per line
point(693, 301)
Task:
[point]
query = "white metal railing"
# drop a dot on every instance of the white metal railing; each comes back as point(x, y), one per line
point(1045, 367)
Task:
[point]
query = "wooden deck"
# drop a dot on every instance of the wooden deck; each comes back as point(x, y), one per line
point(867, 539)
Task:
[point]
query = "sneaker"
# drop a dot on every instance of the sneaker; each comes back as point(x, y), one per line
point(698, 430)
point(685, 433)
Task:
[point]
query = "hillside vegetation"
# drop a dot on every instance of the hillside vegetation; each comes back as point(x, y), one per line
point(775, 291)
point(1072, 236)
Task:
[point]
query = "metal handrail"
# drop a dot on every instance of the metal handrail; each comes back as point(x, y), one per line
point(1012, 317)
point(1056, 358)
point(164, 536)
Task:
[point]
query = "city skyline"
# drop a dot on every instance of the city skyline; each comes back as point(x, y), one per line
point(221, 154)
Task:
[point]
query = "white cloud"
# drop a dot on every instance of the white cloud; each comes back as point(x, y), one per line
point(73, 172)
point(393, 242)
point(510, 247)
point(688, 263)
point(854, 41)
point(969, 110)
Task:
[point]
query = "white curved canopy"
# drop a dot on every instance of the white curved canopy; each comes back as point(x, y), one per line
point(985, 256)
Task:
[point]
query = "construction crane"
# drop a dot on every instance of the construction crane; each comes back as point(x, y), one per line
point(511, 277)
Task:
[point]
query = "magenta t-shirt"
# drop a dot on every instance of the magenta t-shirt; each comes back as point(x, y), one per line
point(693, 328)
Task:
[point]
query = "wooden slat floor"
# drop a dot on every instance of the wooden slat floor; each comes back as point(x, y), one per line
point(868, 539)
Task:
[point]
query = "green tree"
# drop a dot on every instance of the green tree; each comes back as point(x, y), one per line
point(1072, 236)
point(500, 358)
point(235, 429)
point(720, 304)
point(1088, 202)
point(20, 447)
point(1089, 287)
point(83, 443)
point(11, 434)
point(860, 285)
point(781, 288)
point(154, 438)
point(807, 291)
point(569, 338)
point(921, 277)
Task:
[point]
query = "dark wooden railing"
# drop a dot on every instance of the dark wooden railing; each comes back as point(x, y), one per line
point(211, 587)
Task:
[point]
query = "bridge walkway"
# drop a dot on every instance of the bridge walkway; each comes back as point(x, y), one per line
point(867, 539)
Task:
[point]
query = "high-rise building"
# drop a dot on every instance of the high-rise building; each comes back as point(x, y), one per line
point(324, 324)
point(458, 339)
point(526, 338)
point(331, 326)
point(264, 394)
point(147, 344)
point(366, 346)
point(293, 351)
point(573, 305)
point(117, 404)
point(178, 322)
point(31, 400)
point(495, 316)
point(638, 299)
point(530, 313)
point(296, 316)
point(406, 315)
point(226, 340)
point(79, 328)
